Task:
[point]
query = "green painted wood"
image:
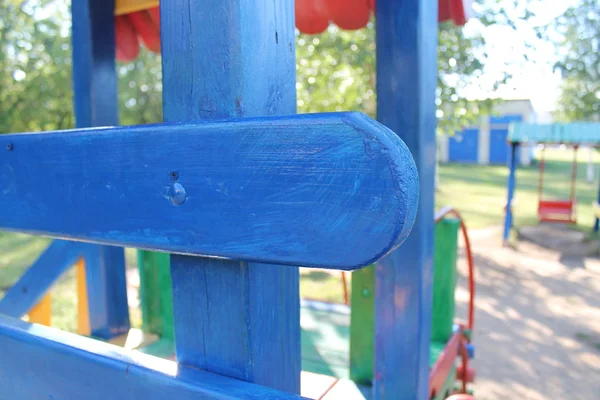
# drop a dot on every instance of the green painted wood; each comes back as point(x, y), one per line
point(444, 279)
point(363, 318)
point(361, 327)
point(156, 294)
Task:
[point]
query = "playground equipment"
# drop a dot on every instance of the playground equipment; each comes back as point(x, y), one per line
point(557, 210)
point(573, 135)
point(238, 201)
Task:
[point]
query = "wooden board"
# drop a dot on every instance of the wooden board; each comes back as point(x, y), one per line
point(299, 190)
point(39, 363)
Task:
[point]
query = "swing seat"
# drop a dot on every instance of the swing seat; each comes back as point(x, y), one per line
point(563, 211)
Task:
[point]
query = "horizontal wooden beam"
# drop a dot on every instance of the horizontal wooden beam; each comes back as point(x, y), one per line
point(44, 363)
point(330, 190)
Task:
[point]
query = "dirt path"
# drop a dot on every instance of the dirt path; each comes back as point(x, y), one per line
point(537, 323)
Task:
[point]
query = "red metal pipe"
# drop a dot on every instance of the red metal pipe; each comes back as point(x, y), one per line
point(345, 287)
point(440, 216)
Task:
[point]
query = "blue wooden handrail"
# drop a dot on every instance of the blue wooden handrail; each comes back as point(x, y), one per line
point(330, 190)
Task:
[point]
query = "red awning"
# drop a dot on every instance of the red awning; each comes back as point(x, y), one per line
point(312, 17)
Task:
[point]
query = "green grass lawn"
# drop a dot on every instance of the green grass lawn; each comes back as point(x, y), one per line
point(479, 192)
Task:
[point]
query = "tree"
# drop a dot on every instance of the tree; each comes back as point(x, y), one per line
point(35, 73)
point(579, 62)
point(336, 69)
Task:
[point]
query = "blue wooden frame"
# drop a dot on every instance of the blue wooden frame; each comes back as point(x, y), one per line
point(44, 363)
point(264, 189)
point(239, 319)
point(95, 104)
point(40, 276)
point(406, 34)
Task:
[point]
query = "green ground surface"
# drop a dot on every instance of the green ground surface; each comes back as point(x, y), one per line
point(479, 192)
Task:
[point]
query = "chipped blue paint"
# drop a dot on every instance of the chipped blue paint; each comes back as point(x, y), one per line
point(272, 189)
point(406, 81)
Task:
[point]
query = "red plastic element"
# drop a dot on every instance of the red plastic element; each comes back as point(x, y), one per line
point(127, 46)
point(349, 14)
point(372, 6)
point(469, 377)
point(312, 16)
point(146, 29)
point(452, 10)
point(442, 367)
point(463, 227)
point(557, 211)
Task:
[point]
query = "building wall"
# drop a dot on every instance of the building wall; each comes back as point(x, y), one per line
point(486, 143)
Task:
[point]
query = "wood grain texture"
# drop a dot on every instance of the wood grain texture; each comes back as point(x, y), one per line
point(235, 61)
point(38, 362)
point(333, 190)
point(40, 276)
point(406, 34)
point(95, 103)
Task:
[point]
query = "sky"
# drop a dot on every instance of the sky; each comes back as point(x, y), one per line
point(534, 78)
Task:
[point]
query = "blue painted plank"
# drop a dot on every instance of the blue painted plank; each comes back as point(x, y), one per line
point(107, 291)
point(406, 35)
point(95, 103)
point(40, 276)
point(250, 323)
point(38, 362)
point(511, 186)
point(299, 190)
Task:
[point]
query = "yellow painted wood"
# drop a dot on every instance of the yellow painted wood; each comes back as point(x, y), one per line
point(41, 313)
point(129, 6)
point(83, 314)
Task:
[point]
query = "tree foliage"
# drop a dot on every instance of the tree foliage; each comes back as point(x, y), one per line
point(335, 70)
point(579, 62)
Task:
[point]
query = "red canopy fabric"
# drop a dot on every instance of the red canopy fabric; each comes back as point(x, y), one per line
point(312, 17)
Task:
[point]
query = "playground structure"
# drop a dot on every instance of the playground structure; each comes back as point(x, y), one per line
point(572, 135)
point(256, 197)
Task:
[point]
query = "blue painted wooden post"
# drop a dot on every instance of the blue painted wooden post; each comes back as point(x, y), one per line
point(406, 35)
point(508, 216)
point(597, 221)
point(225, 59)
point(95, 101)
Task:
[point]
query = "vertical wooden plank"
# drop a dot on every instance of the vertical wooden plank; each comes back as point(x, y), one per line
point(444, 279)
point(512, 179)
point(406, 35)
point(236, 319)
point(107, 291)
point(83, 314)
point(41, 313)
point(95, 102)
point(362, 321)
